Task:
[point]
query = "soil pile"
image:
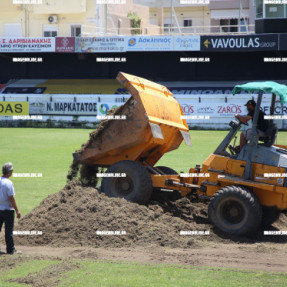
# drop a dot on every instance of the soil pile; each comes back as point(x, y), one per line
point(281, 223)
point(74, 215)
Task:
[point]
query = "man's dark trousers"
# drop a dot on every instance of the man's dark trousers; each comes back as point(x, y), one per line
point(7, 217)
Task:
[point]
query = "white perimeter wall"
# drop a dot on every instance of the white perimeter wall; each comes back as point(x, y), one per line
point(219, 108)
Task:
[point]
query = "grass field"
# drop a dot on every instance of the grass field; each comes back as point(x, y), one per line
point(122, 274)
point(39, 151)
point(49, 151)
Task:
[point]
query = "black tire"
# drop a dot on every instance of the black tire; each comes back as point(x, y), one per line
point(135, 187)
point(269, 216)
point(166, 170)
point(246, 209)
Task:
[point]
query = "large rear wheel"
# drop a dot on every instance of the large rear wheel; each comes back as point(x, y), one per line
point(235, 210)
point(136, 186)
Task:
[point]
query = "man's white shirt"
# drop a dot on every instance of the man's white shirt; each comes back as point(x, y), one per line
point(6, 190)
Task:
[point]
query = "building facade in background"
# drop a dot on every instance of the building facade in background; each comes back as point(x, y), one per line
point(218, 16)
point(231, 16)
point(87, 18)
point(178, 18)
point(79, 18)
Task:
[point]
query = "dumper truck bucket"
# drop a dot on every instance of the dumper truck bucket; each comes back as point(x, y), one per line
point(153, 125)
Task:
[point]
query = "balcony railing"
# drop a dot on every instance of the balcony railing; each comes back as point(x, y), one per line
point(92, 31)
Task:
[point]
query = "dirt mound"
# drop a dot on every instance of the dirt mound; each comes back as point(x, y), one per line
point(74, 215)
point(281, 223)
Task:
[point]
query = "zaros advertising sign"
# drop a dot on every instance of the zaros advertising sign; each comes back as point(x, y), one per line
point(239, 43)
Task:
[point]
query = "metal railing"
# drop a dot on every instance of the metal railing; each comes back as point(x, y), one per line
point(92, 31)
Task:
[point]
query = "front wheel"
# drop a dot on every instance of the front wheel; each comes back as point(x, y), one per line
point(136, 186)
point(235, 210)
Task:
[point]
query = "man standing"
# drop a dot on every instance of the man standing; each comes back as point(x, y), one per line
point(262, 124)
point(8, 206)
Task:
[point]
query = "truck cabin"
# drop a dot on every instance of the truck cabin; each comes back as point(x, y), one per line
point(269, 140)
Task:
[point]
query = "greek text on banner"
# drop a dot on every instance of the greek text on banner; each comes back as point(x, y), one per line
point(20, 45)
point(14, 108)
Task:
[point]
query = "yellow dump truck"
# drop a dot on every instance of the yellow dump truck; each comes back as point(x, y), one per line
point(241, 197)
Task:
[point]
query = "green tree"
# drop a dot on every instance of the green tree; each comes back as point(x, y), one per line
point(135, 21)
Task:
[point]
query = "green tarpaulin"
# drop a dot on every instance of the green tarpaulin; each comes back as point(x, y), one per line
point(267, 87)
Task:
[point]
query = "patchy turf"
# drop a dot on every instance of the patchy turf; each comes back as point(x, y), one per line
point(45, 271)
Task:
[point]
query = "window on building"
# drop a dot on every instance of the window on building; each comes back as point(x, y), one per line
point(243, 25)
point(168, 27)
point(187, 22)
point(50, 31)
point(224, 23)
point(259, 8)
point(229, 25)
point(270, 10)
point(76, 30)
point(233, 25)
point(274, 11)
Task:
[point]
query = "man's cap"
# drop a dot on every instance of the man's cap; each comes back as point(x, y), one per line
point(7, 167)
point(251, 102)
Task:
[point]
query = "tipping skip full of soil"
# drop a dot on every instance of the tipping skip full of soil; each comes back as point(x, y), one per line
point(87, 173)
point(104, 124)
